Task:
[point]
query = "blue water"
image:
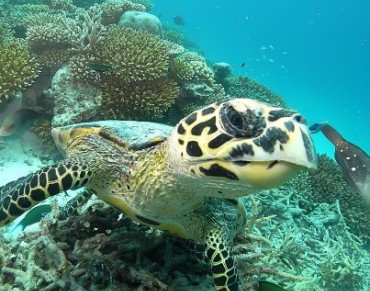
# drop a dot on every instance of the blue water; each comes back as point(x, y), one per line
point(314, 53)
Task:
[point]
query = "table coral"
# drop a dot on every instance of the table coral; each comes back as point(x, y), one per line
point(18, 68)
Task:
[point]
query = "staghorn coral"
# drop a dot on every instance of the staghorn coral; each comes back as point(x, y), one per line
point(85, 32)
point(17, 68)
point(190, 67)
point(112, 10)
point(136, 55)
point(137, 100)
point(241, 86)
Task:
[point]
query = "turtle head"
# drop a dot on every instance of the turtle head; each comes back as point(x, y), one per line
point(242, 141)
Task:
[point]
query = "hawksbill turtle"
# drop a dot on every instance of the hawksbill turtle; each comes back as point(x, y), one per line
point(175, 179)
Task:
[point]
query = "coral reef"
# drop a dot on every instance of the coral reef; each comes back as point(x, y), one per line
point(5, 31)
point(173, 35)
point(328, 186)
point(137, 100)
point(98, 250)
point(191, 67)
point(140, 20)
point(241, 86)
point(136, 55)
point(72, 102)
point(18, 68)
point(48, 40)
point(223, 74)
point(113, 10)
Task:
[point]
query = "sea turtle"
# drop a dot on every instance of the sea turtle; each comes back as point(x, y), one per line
point(175, 179)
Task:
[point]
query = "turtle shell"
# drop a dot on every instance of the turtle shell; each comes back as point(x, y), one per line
point(135, 135)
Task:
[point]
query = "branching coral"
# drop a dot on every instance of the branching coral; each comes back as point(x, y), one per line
point(141, 100)
point(173, 36)
point(328, 185)
point(17, 68)
point(63, 5)
point(136, 55)
point(49, 41)
point(34, 268)
point(191, 67)
point(244, 87)
point(86, 32)
point(5, 31)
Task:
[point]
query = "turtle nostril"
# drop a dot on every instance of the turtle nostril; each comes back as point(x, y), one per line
point(299, 119)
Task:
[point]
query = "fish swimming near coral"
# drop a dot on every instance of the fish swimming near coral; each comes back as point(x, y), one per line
point(15, 120)
point(101, 68)
point(32, 216)
point(178, 20)
point(353, 161)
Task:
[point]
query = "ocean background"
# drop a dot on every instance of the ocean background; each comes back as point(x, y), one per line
point(316, 54)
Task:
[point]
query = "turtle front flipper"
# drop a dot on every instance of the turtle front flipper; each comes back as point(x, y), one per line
point(218, 250)
point(19, 196)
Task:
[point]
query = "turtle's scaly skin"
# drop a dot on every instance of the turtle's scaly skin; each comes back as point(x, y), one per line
point(179, 184)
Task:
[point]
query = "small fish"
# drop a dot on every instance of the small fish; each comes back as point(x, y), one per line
point(353, 161)
point(15, 120)
point(178, 20)
point(242, 65)
point(101, 68)
point(33, 216)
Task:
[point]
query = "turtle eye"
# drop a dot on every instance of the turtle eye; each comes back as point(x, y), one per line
point(235, 119)
point(242, 124)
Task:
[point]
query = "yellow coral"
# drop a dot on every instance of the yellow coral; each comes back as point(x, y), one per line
point(49, 42)
point(136, 55)
point(17, 68)
point(191, 67)
point(142, 100)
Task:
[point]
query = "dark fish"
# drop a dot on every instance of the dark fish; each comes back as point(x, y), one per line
point(242, 65)
point(34, 215)
point(268, 286)
point(178, 20)
point(353, 161)
point(101, 68)
point(15, 120)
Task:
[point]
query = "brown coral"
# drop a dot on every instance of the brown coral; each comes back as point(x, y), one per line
point(191, 67)
point(17, 68)
point(136, 55)
point(244, 87)
point(142, 100)
point(49, 42)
